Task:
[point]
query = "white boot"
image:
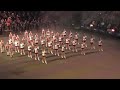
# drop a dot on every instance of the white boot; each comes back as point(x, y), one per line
point(42, 61)
point(76, 50)
point(31, 56)
point(65, 57)
point(45, 61)
point(38, 59)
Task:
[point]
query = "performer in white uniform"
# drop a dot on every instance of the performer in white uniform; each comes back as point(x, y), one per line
point(92, 42)
point(76, 38)
point(29, 50)
point(17, 44)
point(56, 49)
point(2, 46)
point(11, 50)
point(43, 43)
point(36, 48)
point(26, 34)
point(7, 48)
point(44, 56)
point(63, 51)
point(82, 48)
point(100, 44)
point(67, 43)
point(10, 35)
point(60, 41)
point(74, 42)
point(22, 45)
point(50, 47)
point(84, 39)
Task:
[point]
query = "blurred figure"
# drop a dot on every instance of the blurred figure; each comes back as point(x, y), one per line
point(100, 44)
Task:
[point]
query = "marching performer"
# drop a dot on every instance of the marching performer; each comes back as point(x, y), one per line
point(82, 48)
point(63, 52)
point(26, 34)
point(36, 36)
point(70, 35)
point(56, 49)
point(2, 46)
point(76, 38)
point(13, 38)
point(48, 33)
point(36, 48)
point(29, 50)
point(47, 40)
point(92, 42)
point(43, 43)
point(84, 39)
point(10, 35)
point(11, 50)
point(54, 39)
point(17, 44)
point(60, 40)
point(44, 56)
point(74, 42)
point(31, 38)
point(7, 48)
point(36, 41)
point(100, 44)
point(43, 32)
point(64, 33)
point(22, 45)
point(30, 34)
point(17, 37)
point(52, 33)
point(67, 43)
point(50, 47)
point(23, 39)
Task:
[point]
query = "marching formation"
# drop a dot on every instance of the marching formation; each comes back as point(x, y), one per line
point(48, 42)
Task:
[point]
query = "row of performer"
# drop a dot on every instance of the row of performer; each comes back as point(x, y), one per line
point(55, 43)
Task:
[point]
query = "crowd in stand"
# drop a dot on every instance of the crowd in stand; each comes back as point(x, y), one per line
point(31, 20)
point(19, 20)
point(105, 20)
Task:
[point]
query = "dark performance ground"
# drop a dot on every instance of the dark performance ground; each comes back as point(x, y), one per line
point(94, 65)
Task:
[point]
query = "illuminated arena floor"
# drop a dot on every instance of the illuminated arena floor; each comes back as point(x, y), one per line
point(94, 65)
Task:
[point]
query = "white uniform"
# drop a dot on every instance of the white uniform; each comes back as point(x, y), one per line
point(60, 39)
point(42, 42)
point(70, 35)
point(76, 37)
point(63, 48)
point(67, 41)
point(22, 45)
point(100, 43)
point(56, 46)
point(30, 38)
point(84, 38)
point(36, 49)
point(49, 44)
point(82, 46)
point(48, 33)
point(43, 31)
point(10, 41)
point(43, 53)
point(16, 43)
point(92, 40)
point(64, 33)
point(74, 42)
point(29, 48)
point(36, 41)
